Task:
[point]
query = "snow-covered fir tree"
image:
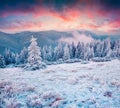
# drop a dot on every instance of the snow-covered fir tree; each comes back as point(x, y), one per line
point(88, 52)
point(23, 55)
point(116, 49)
point(9, 56)
point(106, 48)
point(79, 51)
point(50, 54)
point(17, 59)
point(66, 55)
point(72, 50)
point(98, 48)
point(44, 52)
point(2, 62)
point(58, 52)
point(34, 56)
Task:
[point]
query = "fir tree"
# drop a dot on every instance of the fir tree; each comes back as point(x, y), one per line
point(2, 62)
point(80, 51)
point(50, 54)
point(44, 53)
point(66, 55)
point(34, 56)
point(9, 56)
point(72, 50)
point(17, 59)
point(23, 55)
point(58, 52)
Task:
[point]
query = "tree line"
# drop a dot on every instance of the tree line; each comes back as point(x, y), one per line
point(63, 52)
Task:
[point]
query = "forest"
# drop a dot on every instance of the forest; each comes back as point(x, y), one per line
point(97, 50)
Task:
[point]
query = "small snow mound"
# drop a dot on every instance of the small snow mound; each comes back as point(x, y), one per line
point(35, 67)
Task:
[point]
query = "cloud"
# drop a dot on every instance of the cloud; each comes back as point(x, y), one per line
point(71, 14)
point(61, 7)
point(20, 25)
point(77, 37)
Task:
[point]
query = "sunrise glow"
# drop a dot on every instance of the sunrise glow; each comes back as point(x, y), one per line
point(40, 15)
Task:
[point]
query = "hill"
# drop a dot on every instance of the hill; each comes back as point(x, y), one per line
point(17, 41)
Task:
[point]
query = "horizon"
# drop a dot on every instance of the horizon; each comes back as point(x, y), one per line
point(64, 31)
point(101, 17)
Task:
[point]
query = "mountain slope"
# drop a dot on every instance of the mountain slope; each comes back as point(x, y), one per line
point(19, 40)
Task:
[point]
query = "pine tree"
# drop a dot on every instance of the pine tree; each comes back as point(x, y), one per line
point(80, 51)
point(2, 62)
point(50, 54)
point(23, 55)
point(66, 55)
point(34, 56)
point(58, 52)
point(13, 58)
point(44, 53)
point(9, 56)
point(88, 52)
point(72, 50)
point(116, 49)
point(98, 48)
point(106, 48)
point(17, 59)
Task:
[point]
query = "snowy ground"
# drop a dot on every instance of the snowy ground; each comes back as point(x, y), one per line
point(92, 85)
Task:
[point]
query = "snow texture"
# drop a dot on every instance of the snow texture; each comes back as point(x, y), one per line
point(76, 85)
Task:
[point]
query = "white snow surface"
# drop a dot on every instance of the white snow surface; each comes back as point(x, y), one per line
point(76, 85)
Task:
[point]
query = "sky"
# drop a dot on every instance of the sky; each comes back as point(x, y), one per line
point(102, 16)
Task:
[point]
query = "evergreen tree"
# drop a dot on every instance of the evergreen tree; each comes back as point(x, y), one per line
point(34, 56)
point(66, 55)
point(58, 52)
point(2, 62)
point(115, 49)
point(88, 52)
point(44, 53)
point(98, 49)
point(106, 48)
point(50, 54)
point(17, 59)
point(23, 55)
point(9, 56)
point(72, 50)
point(80, 51)
point(12, 57)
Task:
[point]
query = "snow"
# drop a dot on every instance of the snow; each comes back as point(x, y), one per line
point(76, 85)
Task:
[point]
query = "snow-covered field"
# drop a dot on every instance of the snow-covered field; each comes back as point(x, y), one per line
point(76, 85)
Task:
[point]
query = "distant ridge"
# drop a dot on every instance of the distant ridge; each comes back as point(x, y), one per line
point(16, 41)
